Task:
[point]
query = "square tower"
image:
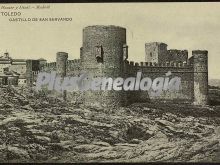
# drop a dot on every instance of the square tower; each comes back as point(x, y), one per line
point(156, 52)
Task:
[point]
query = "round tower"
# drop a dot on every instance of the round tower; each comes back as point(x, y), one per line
point(61, 63)
point(103, 44)
point(61, 66)
point(200, 60)
point(102, 56)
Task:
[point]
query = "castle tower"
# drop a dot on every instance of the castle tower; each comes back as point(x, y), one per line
point(156, 52)
point(102, 56)
point(31, 67)
point(61, 62)
point(200, 64)
point(61, 66)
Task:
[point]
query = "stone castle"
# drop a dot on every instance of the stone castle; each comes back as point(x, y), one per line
point(104, 53)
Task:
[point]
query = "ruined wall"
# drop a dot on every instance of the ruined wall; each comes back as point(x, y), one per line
point(194, 80)
point(194, 76)
point(48, 67)
point(154, 70)
point(73, 67)
point(131, 69)
point(175, 55)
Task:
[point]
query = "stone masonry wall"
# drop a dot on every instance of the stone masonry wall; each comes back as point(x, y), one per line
point(104, 54)
point(175, 55)
point(153, 70)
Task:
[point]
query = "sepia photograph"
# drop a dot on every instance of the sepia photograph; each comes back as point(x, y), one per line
point(110, 82)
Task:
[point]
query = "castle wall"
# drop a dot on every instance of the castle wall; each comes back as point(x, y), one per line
point(175, 55)
point(130, 70)
point(193, 74)
point(73, 67)
point(152, 70)
point(104, 53)
point(48, 67)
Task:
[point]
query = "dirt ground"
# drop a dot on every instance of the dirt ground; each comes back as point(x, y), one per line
point(40, 128)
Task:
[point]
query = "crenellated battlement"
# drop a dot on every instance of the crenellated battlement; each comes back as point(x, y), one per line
point(50, 64)
point(104, 52)
point(73, 65)
point(176, 50)
point(74, 62)
point(154, 64)
point(69, 62)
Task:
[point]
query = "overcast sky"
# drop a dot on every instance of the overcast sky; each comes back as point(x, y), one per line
point(180, 25)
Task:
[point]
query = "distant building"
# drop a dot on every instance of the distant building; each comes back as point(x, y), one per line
point(14, 71)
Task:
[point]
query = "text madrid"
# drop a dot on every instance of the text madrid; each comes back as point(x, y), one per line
point(54, 82)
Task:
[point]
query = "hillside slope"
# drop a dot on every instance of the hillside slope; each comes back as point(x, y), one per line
point(37, 128)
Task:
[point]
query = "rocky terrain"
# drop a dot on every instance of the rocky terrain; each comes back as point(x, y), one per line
point(35, 127)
